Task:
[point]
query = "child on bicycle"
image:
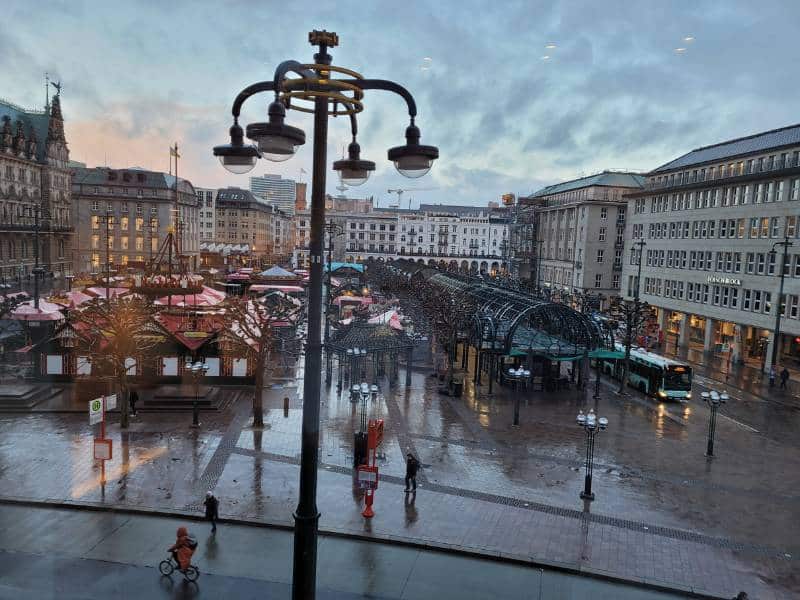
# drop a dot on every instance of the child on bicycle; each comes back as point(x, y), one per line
point(183, 548)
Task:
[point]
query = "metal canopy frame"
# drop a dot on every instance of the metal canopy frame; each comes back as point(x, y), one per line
point(512, 319)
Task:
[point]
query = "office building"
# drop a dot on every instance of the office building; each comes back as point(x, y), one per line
point(709, 221)
point(276, 190)
point(581, 232)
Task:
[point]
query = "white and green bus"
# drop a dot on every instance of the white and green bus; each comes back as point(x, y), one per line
point(653, 374)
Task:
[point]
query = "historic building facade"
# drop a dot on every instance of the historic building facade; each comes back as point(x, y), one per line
point(580, 234)
point(35, 193)
point(125, 215)
point(468, 238)
point(260, 230)
point(704, 229)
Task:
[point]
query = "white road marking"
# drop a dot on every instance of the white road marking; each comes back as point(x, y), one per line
point(739, 423)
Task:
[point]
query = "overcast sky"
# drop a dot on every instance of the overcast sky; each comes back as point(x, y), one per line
point(615, 91)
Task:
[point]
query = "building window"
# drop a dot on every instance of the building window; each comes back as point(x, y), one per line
point(601, 237)
point(600, 254)
point(604, 212)
point(598, 280)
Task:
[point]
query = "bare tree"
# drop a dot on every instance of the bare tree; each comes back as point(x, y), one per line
point(633, 314)
point(253, 324)
point(112, 332)
point(451, 314)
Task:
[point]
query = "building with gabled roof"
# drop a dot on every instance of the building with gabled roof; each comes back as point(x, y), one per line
point(35, 193)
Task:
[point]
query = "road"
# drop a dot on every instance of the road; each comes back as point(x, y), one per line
point(70, 554)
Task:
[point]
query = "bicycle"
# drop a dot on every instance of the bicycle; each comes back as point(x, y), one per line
point(168, 566)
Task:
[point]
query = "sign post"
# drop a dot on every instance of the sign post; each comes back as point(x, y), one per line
point(102, 446)
point(368, 474)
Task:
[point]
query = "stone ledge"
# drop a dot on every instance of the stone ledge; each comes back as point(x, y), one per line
point(386, 539)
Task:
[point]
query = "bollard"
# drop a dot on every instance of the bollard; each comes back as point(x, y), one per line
point(286, 406)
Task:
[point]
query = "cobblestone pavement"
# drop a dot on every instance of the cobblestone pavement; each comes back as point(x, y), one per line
point(664, 513)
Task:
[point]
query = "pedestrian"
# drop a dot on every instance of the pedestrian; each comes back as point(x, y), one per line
point(784, 377)
point(212, 509)
point(772, 376)
point(132, 399)
point(412, 466)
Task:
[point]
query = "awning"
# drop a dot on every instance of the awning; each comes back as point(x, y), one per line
point(113, 292)
point(192, 332)
point(47, 311)
point(355, 299)
point(604, 353)
point(286, 289)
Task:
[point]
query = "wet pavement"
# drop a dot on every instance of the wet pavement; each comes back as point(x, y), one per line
point(69, 553)
point(663, 513)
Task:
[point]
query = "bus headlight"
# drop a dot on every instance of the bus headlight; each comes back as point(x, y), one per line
point(688, 395)
point(662, 394)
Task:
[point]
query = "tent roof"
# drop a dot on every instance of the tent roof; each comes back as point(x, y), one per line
point(277, 271)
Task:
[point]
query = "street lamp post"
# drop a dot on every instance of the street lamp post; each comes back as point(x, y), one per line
point(518, 376)
point(592, 424)
point(318, 84)
point(714, 399)
point(779, 310)
point(334, 230)
point(197, 370)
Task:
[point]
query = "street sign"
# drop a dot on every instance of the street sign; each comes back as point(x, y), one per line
point(367, 477)
point(111, 402)
point(95, 411)
point(102, 450)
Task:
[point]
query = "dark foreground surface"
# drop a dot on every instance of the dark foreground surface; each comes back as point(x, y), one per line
point(71, 554)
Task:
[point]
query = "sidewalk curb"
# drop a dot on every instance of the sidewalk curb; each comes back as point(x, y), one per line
point(584, 571)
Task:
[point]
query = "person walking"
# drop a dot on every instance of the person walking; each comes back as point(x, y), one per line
point(412, 466)
point(772, 376)
point(784, 377)
point(212, 509)
point(133, 397)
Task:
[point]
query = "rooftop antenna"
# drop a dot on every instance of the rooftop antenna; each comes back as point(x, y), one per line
point(47, 91)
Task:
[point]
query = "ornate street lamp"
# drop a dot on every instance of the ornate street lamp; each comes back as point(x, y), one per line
point(592, 424)
point(714, 399)
point(316, 83)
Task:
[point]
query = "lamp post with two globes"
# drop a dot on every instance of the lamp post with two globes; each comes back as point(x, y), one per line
point(319, 89)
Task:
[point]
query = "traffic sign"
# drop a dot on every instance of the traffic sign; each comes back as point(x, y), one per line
point(95, 411)
point(111, 402)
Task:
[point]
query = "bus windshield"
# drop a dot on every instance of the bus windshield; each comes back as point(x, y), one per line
point(678, 378)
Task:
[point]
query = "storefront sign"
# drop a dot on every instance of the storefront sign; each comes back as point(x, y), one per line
point(724, 280)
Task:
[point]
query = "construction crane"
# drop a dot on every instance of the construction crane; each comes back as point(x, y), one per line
point(400, 193)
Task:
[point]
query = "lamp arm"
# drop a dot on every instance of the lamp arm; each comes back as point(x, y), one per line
point(250, 90)
point(388, 86)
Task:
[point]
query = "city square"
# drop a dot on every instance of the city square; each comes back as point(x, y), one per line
point(492, 365)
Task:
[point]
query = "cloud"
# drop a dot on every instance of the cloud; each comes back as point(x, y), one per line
point(139, 76)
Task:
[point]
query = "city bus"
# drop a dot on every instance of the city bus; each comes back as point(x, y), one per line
point(653, 374)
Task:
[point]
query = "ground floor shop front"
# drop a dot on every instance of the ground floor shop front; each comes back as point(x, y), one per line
point(737, 342)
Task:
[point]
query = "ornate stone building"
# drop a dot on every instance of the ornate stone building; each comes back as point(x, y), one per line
point(35, 183)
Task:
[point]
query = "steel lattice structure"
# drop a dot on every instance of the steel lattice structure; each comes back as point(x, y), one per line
point(508, 319)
